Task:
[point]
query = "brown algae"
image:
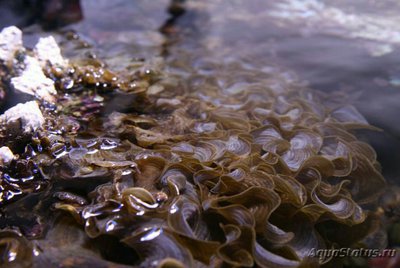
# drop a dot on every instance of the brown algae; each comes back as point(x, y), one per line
point(255, 176)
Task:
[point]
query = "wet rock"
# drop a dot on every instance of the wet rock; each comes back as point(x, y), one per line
point(33, 81)
point(10, 42)
point(47, 50)
point(50, 14)
point(2, 93)
point(168, 102)
point(27, 117)
point(58, 13)
point(6, 155)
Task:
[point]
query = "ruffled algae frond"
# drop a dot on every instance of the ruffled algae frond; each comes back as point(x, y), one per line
point(256, 175)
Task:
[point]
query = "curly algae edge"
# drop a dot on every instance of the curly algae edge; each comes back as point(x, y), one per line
point(255, 179)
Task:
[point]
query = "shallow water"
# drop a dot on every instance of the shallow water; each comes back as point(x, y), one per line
point(216, 51)
point(349, 46)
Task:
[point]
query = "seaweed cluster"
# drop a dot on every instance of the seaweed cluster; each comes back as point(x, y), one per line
point(253, 176)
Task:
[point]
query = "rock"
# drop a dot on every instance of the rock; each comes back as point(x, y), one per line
point(47, 50)
point(33, 81)
point(168, 102)
point(57, 13)
point(6, 156)
point(27, 116)
point(10, 42)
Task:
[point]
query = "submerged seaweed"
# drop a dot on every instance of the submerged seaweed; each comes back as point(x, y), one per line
point(249, 180)
point(226, 174)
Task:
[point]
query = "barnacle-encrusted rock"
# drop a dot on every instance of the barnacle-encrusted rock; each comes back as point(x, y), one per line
point(24, 116)
point(47, 50)
point(30, 77)
point(10, 42)
point(33, 81)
